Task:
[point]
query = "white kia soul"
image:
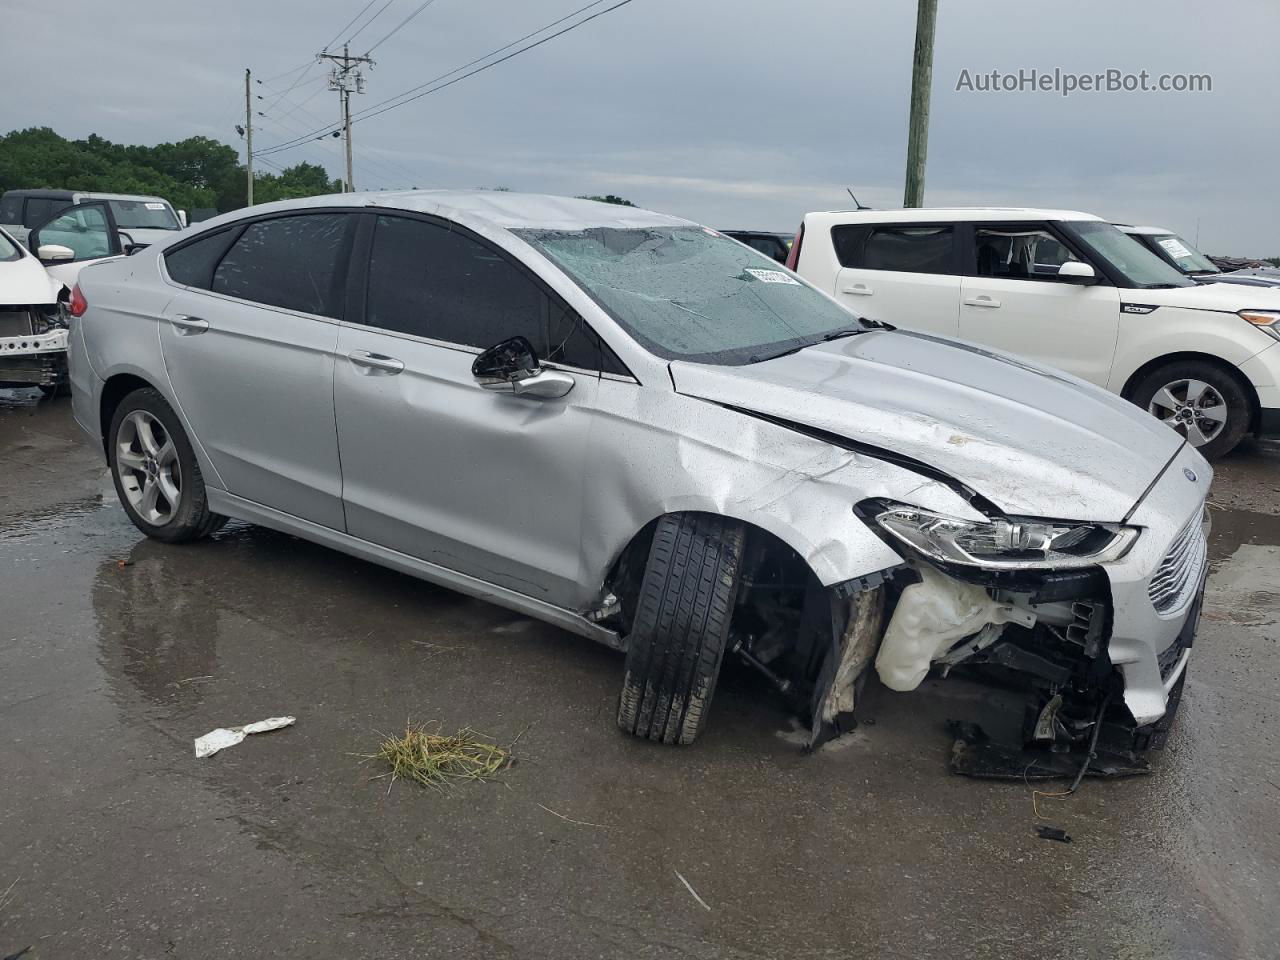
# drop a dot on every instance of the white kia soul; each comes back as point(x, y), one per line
point(1068, 290)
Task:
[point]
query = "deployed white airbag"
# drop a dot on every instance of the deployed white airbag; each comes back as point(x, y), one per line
point(930, 618)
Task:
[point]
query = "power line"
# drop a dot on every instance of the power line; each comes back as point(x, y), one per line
point(287, 72)
point(423, 6)
point(338, 36)
point(296, 81)
point(373, 112)
point(431, 85)
point(381, 10)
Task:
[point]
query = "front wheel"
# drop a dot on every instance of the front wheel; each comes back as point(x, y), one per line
point(1202, 401)
point(155, 471)
point(680, 626)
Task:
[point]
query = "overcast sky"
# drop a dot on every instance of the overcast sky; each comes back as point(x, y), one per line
point(737, 113)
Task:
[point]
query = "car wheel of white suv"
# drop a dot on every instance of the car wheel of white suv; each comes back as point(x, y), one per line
point(1201, 401)
point(680, 626)
point(155, 471)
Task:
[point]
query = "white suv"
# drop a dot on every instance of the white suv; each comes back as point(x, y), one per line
point(1068, 290)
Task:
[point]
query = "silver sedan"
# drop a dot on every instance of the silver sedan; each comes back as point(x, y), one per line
point(645, 432)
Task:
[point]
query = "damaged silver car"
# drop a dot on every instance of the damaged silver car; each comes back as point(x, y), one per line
point(633, 427)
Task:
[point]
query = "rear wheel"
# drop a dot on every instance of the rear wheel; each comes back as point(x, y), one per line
point(1202, 401)
point(680, 626)
point(155, 471)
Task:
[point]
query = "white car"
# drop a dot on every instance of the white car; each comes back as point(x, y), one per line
point(33, 334)
point(1069, 290)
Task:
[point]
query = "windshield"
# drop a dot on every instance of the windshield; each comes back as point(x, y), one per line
point(690, 293)
point(1184, 256)
point(144, 214)
point(8, 249)
point(1137, 265)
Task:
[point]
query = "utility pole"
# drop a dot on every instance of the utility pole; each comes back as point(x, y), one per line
point(346, 78)
point(248, 136)
point(921, 86)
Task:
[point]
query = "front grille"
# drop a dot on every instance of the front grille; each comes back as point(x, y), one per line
point(1179, 572)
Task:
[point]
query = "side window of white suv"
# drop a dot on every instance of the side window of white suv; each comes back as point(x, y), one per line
point(903, 249)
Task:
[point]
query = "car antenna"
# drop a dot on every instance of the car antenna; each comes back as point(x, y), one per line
point(857, 203)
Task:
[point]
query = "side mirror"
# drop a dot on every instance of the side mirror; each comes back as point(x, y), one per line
point(54, 252)
point(512, 367)
point(182, 217)
point(1074, 271)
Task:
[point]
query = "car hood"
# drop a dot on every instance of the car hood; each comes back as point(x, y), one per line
point(25, 282)
point(1208, 295)
point(1033, 441)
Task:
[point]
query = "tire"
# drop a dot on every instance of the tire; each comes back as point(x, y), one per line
point(681, 624)
point(148, 450)
point(1213, 392)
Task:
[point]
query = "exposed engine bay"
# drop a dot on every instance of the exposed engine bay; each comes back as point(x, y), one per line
point(1041, 633)
point(33, 346)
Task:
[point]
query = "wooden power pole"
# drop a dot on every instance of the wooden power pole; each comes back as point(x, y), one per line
point(248, 136)
point(347, 78)
point(921, 85)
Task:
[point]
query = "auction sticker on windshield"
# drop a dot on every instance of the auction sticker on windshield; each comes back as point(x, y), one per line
point(155, 206)
point(1175, 247)
point(772, 276)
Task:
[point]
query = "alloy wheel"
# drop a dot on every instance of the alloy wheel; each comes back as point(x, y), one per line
point(148, 468)
point(1192, 407)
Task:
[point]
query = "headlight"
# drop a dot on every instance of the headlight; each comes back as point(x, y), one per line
point(1264, 320)
point(1005, 544)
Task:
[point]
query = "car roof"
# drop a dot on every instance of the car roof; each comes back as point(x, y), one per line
point(493, 208)
point(98, 195)
point(948, 214)
point(1146, 231)
point(37, 192)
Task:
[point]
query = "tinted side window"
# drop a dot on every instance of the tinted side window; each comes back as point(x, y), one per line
point(429, 281)
point(909, 249)
point(11, 210)
point(293, 262)
point(192, 265)
point(40, 209)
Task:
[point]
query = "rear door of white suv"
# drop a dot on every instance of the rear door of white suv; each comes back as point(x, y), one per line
point(1013, 298)
point(907, 274)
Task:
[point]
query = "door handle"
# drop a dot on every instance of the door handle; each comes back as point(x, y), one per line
point(858, 290)
point(982, 301)
point(188, 326)
point(375, 361)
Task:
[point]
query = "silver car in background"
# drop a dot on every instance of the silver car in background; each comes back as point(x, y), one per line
point(637, 429)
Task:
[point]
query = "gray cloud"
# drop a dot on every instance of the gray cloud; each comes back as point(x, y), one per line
point(734, 112)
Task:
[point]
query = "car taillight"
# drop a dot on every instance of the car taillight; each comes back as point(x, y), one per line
point(793, 258)
point(77, 305)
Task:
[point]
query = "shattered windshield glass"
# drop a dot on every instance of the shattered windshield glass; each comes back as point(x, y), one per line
point(690, 293)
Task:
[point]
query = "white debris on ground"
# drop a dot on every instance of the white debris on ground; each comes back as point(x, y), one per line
point(224, 737)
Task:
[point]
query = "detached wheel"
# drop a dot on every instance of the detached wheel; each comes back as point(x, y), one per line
point(680, 627)
point(1203, 402)
point(155, 471)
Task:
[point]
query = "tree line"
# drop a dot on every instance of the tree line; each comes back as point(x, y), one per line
point(192, 174)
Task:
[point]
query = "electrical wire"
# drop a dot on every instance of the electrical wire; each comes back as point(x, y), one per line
point(348, 25)
point(421, 7)
point(433, 86)
point(381, 10)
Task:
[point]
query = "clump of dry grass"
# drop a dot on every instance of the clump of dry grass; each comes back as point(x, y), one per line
point(425, 755)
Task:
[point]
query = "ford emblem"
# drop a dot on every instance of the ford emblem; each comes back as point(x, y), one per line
point(1189, 474)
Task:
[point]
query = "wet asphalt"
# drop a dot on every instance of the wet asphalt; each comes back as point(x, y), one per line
point(115, 653)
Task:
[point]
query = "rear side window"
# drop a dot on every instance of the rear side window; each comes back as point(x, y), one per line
point(40, 209)
point(427, 280)
point(904, 249)
point(298, 263)
point(11, 210)
point(192, 265)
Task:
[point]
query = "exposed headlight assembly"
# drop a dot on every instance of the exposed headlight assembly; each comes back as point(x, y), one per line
point(1004, 544)
point(1264, 320)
